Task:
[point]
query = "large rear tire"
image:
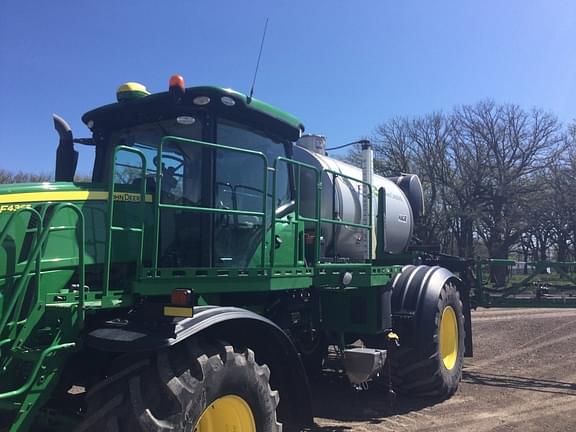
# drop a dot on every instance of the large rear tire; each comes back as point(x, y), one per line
point(190, 387)
point(432, 367)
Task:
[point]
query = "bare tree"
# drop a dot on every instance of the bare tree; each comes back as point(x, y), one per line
point(516, 144)
point(482, 168)
point(404, 145)
point(8, 177)
point(394, 152)
point(431, 161)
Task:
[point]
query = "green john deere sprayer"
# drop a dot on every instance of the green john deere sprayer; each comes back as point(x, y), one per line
point(217, 259)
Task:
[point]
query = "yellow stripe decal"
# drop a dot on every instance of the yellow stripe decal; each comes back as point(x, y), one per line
point(70, 196)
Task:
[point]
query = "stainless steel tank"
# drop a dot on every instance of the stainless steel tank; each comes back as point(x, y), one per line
point(342, 200)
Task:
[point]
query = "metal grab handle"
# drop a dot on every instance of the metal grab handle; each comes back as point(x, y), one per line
point(26, 386)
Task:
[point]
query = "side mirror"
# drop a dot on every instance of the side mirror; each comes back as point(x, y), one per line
point(66, 156)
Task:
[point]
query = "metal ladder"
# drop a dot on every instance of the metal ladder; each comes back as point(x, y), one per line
point(111, 228)
point(15, 333)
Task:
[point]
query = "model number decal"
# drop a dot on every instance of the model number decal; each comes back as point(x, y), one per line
point(13, 207)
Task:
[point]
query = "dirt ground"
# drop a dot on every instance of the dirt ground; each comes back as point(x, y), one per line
point(522, 378)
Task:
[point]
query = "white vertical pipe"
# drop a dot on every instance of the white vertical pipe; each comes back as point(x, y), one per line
point(367, 176)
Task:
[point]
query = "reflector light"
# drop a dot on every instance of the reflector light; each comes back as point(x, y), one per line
point(181, 297)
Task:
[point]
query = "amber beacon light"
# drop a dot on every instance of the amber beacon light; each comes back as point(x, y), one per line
point(176, 85)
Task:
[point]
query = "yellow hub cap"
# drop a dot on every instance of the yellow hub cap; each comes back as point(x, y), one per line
point(228, 413)
point(449, 337)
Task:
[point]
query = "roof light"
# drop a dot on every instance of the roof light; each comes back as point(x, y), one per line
point(177, 81)
point(201, 100)
point(131, 90)
point(176, 87)
point(185, 120)
point(228, 101)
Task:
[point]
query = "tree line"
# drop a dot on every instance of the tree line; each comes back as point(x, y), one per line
point(10, 177)
point(499, 180)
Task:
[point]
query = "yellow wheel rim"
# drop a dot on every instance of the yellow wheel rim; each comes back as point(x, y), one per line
point(449, 337)
point(228, 413)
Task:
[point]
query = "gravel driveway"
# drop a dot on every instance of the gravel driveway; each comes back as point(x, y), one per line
point(522, 378)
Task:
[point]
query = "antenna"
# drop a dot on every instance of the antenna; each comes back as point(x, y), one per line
point(258, 61)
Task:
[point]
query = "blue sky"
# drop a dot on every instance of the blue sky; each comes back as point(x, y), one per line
point(342, 67)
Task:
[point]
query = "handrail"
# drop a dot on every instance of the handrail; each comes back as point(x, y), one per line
point(15, 294)
point(42, 232)
point(32, 376)
point(31, 210)
point(317, 212)
point(35, 257)
point(19, 300)
point(368, 187)
point(81, 249)
point(159, 205)
point(318, 220)
point(110, 213)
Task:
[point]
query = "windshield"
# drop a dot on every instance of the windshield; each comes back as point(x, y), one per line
point(239, 177)
point(239, 185)
point(181, 164)
point(200, 176)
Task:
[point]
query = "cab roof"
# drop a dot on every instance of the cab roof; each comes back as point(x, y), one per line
point(161, 106)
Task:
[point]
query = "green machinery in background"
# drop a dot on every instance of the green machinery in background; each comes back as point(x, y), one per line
point(537, 284)
point(199, 279)
point(508, 283)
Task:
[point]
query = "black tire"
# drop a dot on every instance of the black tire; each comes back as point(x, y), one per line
point(172, 389)
point(417, 366)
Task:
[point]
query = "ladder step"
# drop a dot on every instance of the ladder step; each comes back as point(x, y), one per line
point(127, 229)
point(63, 228)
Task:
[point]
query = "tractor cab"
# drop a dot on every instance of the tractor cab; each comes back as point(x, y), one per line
point(195, 149)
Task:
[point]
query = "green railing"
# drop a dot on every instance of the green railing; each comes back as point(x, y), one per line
point(544, 284)
point(368, 187)
point(16, 300)
point(297, 205)
point(11, 328)
point(318, 220)
point(158, 205)
point(41, 233)
point(36, 369)
point(111, 228)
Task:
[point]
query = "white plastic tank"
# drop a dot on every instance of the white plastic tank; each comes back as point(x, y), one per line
point(342, 200)
point(313, 142)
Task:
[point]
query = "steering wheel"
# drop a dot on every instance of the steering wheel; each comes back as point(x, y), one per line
point(174, 158)
point(169, 181)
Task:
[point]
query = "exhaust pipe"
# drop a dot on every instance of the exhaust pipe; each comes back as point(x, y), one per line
point(66, 156)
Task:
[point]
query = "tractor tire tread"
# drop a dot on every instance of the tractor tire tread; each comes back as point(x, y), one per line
point(167, 392)
point(416, 371)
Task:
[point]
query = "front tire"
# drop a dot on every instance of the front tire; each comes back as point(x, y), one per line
point(432, 367)
point(189, 387)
